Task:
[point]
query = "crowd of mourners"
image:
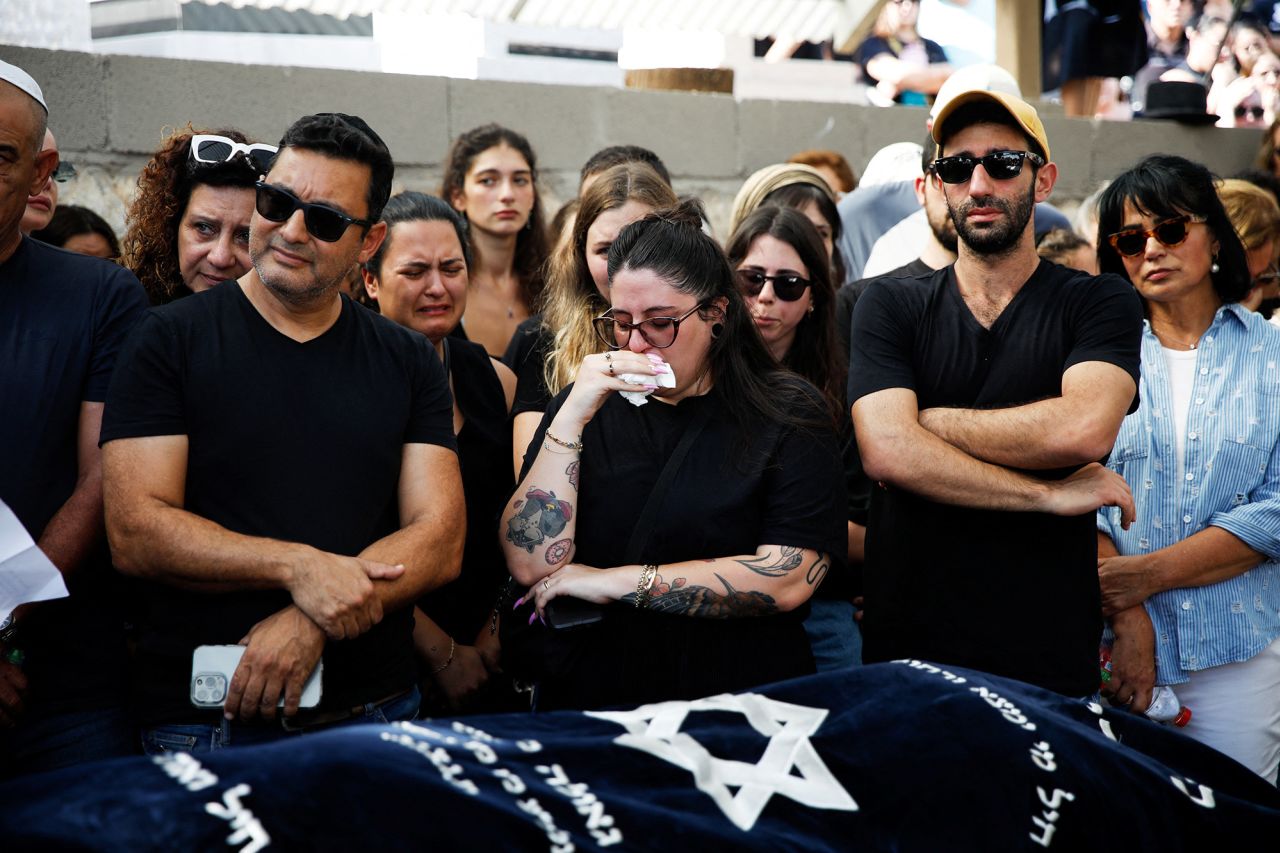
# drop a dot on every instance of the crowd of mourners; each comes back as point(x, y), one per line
point(453, 455)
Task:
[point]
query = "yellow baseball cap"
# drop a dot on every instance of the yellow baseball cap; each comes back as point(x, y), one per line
point(1022, 112)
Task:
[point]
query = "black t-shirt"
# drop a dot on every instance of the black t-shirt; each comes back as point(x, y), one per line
point(484, 455)
point(299, 442)
point(874, 46)
point(1015, 594)
point(526, 355)
point(63, 318)
point(784, 488)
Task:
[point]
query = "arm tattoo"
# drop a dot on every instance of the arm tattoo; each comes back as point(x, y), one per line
point(818, 570)
point(775, 566)
point(682, 599)
point(572, 471)
point(542, 516)
point(557, 551)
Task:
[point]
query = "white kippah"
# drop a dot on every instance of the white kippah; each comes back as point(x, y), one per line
point(24, 81)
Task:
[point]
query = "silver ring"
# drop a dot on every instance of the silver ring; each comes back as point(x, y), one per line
point(546, 584)
point(608, 356)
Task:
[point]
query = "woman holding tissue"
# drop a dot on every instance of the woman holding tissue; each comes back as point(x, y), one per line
point(698, 512)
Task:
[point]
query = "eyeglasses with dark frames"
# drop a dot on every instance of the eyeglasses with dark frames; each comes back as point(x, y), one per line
point(786, 286)
point(323, 222)
point(658, 332)
point(999, 165)
point(1170, 233)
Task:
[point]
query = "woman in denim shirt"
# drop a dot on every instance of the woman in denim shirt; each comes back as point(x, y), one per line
point(1192, 588)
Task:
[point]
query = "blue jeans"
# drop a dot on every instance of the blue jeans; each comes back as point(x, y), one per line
point(60, 740)
point(834, 636)
point(208, 737)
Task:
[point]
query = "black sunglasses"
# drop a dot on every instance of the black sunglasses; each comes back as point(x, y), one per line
point(1000, 165)
point(659, 332)
point(1254, 112)
point(323, 222)
point(1171, 233)
point(788, 287)
point(64, 172)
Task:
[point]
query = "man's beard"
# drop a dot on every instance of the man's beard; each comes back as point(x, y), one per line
point(944, 231)
point(999, 237)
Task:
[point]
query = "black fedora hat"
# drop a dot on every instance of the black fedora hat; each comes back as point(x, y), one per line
point(1179, 100)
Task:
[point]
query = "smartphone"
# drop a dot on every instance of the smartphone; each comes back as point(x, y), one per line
point(569, 612)
point(213, 666)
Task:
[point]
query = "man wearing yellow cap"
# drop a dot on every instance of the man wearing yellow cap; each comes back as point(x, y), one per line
point(984, 395)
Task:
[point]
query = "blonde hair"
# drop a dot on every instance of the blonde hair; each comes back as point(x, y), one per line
point(571, 300)
point(1252, 210)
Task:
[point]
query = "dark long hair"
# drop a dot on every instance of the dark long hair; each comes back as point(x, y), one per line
point(814, 353)
point(71, 220)
point(1163, 186)
point(798, 196)
point(531, 243)
point(671, 244)
point(410, 206)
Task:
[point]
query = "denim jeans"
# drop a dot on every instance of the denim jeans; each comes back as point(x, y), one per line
point(61, 740)
point(208, 737)
point(833, 634)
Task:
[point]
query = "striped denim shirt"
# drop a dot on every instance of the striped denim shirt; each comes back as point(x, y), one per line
point(1230, 479)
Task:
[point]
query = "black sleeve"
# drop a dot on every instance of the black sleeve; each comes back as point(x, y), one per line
point(120, 305)
point(145, 397)
point(934, 52)
point(1107, 326)
point(431, 417)
point(881, 341)
point(535, 443)
point(526, 355)
point(869, 50)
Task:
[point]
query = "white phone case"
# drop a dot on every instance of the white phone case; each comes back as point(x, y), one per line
point(213, 666)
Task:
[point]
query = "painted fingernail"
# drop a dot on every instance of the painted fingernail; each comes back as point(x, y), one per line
point(532, 616)
point(516, 606)
point(651, 387)
point(656, 359)
point(662, 367)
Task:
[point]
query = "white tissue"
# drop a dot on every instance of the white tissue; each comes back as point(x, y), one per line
point(639, 398)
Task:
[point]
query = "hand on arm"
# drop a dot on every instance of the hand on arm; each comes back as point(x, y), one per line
point(1074, 429)
point(154, 537)
point(1205, 557)
point(1133, 659)
point(896, 449)
point(775, 579)
point(458, 670)
point(902, 76)
point(282, 652)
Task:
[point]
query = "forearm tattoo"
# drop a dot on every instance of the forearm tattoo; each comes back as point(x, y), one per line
point(681, 598)
point(539, 517)
point(572, 471)
point(773, 565)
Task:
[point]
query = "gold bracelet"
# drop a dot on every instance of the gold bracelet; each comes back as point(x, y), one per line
point(453, 647)
point(570, 445)
point(645, 585)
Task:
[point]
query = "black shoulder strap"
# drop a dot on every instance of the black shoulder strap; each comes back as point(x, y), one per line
point(644, 525)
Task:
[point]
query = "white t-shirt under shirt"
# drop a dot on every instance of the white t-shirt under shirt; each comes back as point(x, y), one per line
point(1181, 365)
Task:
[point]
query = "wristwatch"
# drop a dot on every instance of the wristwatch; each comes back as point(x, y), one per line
point(8, 629)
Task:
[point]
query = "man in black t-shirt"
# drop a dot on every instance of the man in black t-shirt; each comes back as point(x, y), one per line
point(63, 317)
point(983, 395)
point(280, 467)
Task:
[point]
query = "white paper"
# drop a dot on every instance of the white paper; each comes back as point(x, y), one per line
point(639, 398)
point(26, 574)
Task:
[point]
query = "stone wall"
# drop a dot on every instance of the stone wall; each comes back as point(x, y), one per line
point(110, 112)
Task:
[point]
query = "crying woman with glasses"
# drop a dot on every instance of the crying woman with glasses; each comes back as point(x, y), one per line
point(188, 226)
point(681, 500)
point(1193, 586)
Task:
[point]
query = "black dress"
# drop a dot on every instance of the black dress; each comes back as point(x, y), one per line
point(783, 486)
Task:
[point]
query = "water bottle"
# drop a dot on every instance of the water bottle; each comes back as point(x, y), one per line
point(1164, 707)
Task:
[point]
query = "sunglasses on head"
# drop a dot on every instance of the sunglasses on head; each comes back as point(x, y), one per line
point(211, 148)
point(1254, 112)
point(787, 287)
point(323, 222)
point(1170, 233)
point(999, 165)
point(64, 172)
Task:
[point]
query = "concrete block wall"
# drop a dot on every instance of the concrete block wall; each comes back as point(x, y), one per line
point(109, 113)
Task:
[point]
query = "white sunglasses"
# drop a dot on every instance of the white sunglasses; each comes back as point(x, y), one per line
point(211, 148)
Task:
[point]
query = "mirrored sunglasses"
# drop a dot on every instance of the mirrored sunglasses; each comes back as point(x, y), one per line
point(788, 287)
point(1170, 233)
point(323, 222)
point(999, 165)
point(211, 148)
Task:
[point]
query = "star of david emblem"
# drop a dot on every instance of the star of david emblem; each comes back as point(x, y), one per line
point(655, 729)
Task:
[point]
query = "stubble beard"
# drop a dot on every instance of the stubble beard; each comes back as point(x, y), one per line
point(999, 238)
point(292, 294)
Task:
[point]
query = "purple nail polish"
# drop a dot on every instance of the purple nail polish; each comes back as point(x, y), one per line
point(532, 616)
point(651, 387)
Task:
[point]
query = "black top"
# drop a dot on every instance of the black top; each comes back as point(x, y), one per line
point(1011, 593)
point(875, 46)
point(300, 442)
point(526, 355)
point(783, 488)
point(847, 296)
point(63, 318)
point(484, 455)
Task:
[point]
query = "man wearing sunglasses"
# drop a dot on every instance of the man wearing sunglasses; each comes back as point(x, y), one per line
point(984, 395)
point(282, 468)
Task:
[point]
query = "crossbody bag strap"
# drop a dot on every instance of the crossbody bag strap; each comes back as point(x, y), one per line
point(643, 530)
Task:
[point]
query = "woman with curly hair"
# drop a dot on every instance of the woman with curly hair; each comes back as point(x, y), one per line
point(491, 179)
point(548, 350)
point(188, 227)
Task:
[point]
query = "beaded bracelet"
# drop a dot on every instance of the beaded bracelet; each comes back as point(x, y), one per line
point(570, 445)
point(645, 585)
point(453, 646)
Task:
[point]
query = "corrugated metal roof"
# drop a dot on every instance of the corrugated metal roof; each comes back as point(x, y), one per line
point(810, 20)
